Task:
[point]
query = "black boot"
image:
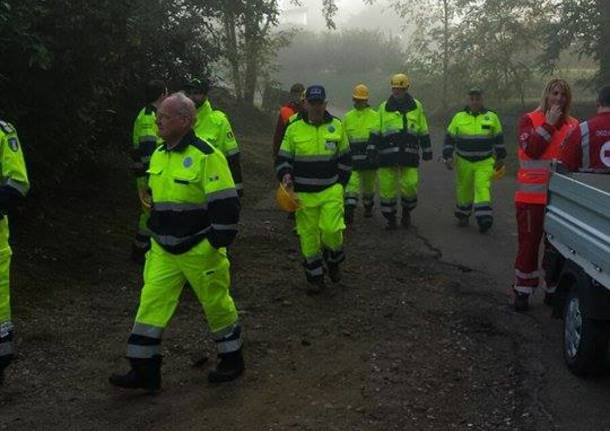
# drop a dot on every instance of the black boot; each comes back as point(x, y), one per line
point(463, 221)
point(368, 211)
point(230, 367)
point(334, 272)
point(391, 223)
point(405, 221)
point(4, 362)
point(349, 215)
point(144, 374)
point(485, 225)
point(521, 301)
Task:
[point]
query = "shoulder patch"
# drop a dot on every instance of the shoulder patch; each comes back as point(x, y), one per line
point(6, 127)
point(202, 146)
point(13, 144)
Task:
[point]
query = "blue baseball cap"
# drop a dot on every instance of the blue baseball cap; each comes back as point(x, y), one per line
point(315, 93)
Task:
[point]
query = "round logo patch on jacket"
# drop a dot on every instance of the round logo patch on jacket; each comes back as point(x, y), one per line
point(331, 128)
point(13, 144)
point(188, 162)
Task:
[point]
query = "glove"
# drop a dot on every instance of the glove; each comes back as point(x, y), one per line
point(287, 180)
point(427, 156)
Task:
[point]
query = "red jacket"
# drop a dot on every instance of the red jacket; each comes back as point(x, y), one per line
point(286, 112)
point(587, 148)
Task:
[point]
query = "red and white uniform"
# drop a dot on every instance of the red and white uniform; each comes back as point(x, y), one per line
point(587, 148)
point(286, 111)
point(539, 144)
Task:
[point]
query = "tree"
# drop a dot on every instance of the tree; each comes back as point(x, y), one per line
point(582, 25)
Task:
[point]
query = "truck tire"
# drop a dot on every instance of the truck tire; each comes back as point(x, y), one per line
point(585, 341)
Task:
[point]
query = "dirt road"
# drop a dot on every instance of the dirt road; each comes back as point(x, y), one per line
point(417, 336)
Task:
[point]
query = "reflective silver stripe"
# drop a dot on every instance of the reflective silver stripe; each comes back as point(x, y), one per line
point(479, 213)
point(543, 132)
point(224, 226)
point(314, 272)
point(317, 158)
point(285, 153)
point(225, 332)
point(173, 240)
point(316, 181)
point(6, 327)
point(536, 164)
point(464, 212)
point(140, 244)
point(474, 137)
point(389, 150)
point(390, 131)
point(524, 289)
point(527, 275)
point(138, 165)
point(142, 352)
point(6, 348)
point(370, 147)
point(17, 185)
point(448, 147)
point(415, 150)
point(474, 153)
point(232, 152)
point(239, 186)
point(148, 138)
point(222, 194)
point(284, 165)
point(586, 156)
point(174, 206)
point(532, 188)
point(500, 146)
point(228, 346)
point(344, 167)
point(147, 330)
point(359, 157)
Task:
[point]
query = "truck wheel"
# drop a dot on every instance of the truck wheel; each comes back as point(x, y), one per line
point(585, 341)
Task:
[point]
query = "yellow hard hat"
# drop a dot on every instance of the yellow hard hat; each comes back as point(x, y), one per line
point(286, 199)
point(400, 80)
point(361, 92)
point(499, 172)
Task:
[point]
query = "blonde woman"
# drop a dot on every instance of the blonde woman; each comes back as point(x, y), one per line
point(540, 134)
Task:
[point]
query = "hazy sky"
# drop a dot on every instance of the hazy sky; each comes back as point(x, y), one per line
point(352, 14)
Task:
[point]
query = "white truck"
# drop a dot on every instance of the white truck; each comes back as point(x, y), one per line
point(577, 225)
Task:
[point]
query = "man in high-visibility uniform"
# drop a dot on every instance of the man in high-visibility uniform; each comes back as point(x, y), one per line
point(404, 134)
point(362, 128)
point(145, 141)
point(194, 216)
point(214, 127)
point(315, 159)
point(294, 106)
point(540, 134)
point(475, 133)
point(14, 186)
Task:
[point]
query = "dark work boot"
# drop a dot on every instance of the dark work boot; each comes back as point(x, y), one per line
point(521, 301)
point(368, 211)
point(4, 362)
point(144, 374)
point(405, 221)
point(391, 223)
point(230, 367)
point(334, 272)
point(485, 225)
point(463, 221)
point(349, 215)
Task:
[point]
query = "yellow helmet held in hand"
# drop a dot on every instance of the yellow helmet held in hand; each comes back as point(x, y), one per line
point(286, 199)
point(361, 92)
point(499, 172)
point(400, 80)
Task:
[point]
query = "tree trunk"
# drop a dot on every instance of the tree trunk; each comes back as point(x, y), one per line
point(604, 42)
point(445, 57)
point(251, 32)
point(232, 52)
